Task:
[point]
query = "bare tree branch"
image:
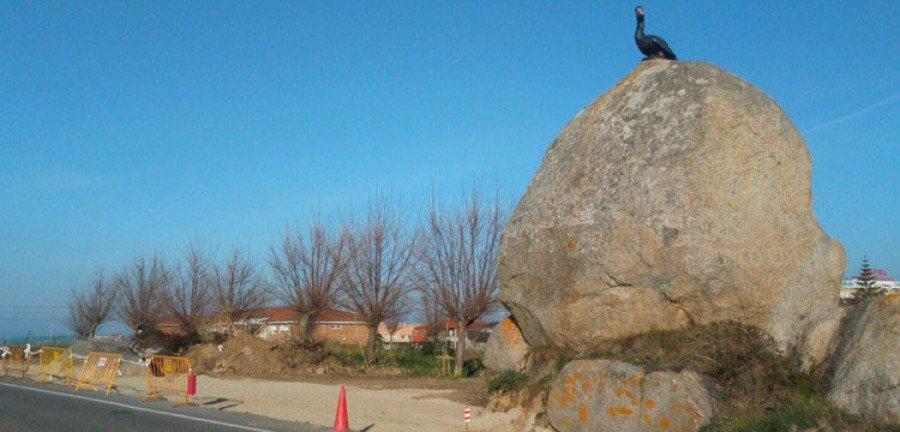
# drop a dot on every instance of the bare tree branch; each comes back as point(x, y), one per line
point(458, 265)
point(141, 286)
point(306, 268)
point(189, 294)
point(379, 274)
point(237, 288)
point(92, 306)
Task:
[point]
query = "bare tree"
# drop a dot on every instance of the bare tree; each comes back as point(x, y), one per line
point(189, 294)
point(76, 321)
point(379, 274)
point(458, 265)
point(92, 306)
point(238, 288)
point(141, 286)
point(306, 268)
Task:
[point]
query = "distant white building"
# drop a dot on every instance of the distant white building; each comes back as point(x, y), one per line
point(849, 286)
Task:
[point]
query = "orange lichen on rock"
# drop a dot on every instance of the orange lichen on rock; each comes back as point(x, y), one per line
point(567, 394)
point(615, 411)
point(511, 333)
point(586, 386)
point(613, 396)
point(633, 398)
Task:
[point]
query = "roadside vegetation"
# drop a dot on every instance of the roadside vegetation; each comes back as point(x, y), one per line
point(385, 265)
point(759, 390)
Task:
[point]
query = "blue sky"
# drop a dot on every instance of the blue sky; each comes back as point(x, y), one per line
point(128, 127)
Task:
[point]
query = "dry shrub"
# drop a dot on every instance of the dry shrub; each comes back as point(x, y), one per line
point(741, 360)
point(242, 354)
point(248, 355)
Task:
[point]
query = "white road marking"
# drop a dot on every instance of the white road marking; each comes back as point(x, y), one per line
point(148, 410)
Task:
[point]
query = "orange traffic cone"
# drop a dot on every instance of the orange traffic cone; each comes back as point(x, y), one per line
point(341, 423)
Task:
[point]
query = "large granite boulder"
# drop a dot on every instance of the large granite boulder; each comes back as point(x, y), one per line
point(866, 377)
point(681, 196)
point(607, 396)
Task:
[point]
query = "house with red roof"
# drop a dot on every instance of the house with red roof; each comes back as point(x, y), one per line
point(446, 331)
point(279, 322)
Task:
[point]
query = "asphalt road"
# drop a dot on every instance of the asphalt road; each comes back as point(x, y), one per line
point(26, 407)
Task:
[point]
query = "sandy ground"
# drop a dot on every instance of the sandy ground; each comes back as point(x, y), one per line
point(375, 410)
point(371, 407)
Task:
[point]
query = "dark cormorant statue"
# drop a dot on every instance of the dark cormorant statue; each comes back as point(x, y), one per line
point(652, 46)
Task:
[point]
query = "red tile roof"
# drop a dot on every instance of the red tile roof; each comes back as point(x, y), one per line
point(284, 314)
point(288, 313)
point(450, 324)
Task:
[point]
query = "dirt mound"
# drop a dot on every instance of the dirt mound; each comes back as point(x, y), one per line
point(246, 355)
point(242, 354)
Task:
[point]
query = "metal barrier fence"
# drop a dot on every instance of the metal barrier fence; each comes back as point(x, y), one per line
point(56, 363)
point(17, 359)
point(173, 374)
point(99, 370)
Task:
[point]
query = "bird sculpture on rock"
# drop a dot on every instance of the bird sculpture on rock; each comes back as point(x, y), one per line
point(652, 46)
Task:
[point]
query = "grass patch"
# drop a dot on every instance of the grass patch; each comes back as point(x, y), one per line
point(422, 361)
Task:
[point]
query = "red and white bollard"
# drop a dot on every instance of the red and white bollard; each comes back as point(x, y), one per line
point(467, 417)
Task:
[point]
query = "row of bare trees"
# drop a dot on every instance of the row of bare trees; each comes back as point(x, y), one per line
point(383, 267)
point(188, 292)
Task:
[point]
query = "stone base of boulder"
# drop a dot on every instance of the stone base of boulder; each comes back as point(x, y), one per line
point(603, 395)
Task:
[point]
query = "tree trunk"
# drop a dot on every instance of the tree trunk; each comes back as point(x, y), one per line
point(306, 326)
point(461, 337)
point(370, 343)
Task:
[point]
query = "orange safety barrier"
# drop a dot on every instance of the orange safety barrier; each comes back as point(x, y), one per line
point(99, 370)
point(167, 373)
point(56, 363)
point(17, 360)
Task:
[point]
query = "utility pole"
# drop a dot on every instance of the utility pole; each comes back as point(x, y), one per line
point(52, 316)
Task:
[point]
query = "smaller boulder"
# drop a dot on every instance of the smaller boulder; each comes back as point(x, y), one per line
point(867, 366)
point(506, 348)
point(603, 395)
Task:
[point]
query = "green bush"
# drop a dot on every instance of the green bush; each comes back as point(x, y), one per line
point(507, 381)
point(783, 419)
point(472, 367)
point(415, 362)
